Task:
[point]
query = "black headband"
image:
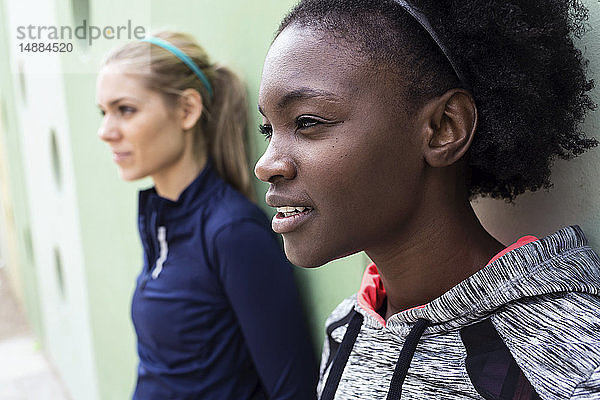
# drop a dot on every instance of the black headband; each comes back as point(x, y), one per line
point(424, 22)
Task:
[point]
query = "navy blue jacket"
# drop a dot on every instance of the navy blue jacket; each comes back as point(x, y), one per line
point(216, 309)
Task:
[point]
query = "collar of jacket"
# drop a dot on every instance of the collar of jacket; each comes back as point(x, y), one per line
point(561, 262)
point(205, 185)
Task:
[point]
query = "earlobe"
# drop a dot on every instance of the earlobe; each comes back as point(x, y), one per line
point(191, 108)
point(452, 121)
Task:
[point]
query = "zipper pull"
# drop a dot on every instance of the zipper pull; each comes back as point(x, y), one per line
point(164, 250)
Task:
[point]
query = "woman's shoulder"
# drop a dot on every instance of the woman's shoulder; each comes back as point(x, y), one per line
point(341, 315)
point(230, 207)
point(552, 337)
point(554, 319)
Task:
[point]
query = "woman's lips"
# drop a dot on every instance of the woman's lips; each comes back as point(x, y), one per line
point(290, 218)
point(121, 156)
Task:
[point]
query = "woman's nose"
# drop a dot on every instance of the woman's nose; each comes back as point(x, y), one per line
point(108, 130)
point(273, 166)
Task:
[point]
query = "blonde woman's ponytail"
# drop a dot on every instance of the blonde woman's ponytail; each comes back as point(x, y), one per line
point(227, 128)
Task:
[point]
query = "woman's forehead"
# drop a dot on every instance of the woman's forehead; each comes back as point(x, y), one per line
point(304, 60)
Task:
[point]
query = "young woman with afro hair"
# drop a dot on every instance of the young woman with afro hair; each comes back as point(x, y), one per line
point(385, 118)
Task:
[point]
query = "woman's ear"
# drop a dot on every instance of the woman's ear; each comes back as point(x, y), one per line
point(450, 122)
point(190, 104)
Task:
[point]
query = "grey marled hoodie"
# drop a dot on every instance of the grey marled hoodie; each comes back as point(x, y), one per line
point(529, 322)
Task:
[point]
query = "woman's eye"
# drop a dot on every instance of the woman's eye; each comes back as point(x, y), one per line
point(306, 122)
point(126, 110)
point(266, 130)
point(102, 112)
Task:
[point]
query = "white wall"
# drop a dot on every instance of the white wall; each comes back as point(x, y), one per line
point(50, 185)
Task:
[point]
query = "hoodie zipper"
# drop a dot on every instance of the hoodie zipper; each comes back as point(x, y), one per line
point(164, 251)
point(153, 243)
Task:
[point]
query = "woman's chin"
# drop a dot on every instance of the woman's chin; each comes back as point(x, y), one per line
point(305, 258)
point(314, 257)
point(129, 176)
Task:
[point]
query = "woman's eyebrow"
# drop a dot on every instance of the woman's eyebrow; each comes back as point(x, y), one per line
point(117, 100)
point(303, 94)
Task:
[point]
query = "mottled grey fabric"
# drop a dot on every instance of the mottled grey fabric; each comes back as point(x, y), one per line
point(544, 301)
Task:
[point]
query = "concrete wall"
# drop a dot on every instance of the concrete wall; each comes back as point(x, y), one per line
point(68, 226)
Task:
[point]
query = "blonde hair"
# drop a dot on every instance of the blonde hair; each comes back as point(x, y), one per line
point(223, 125)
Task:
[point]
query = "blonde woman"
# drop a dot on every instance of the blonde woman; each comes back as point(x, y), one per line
point(215, 308)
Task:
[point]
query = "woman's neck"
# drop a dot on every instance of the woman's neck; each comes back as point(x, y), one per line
point(427, 260)
point(172, 181)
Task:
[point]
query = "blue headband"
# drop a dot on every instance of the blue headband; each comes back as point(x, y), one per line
point(424, 22)
point(183, 57)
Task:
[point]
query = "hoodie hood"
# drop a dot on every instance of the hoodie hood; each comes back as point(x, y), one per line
point(561, 262)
